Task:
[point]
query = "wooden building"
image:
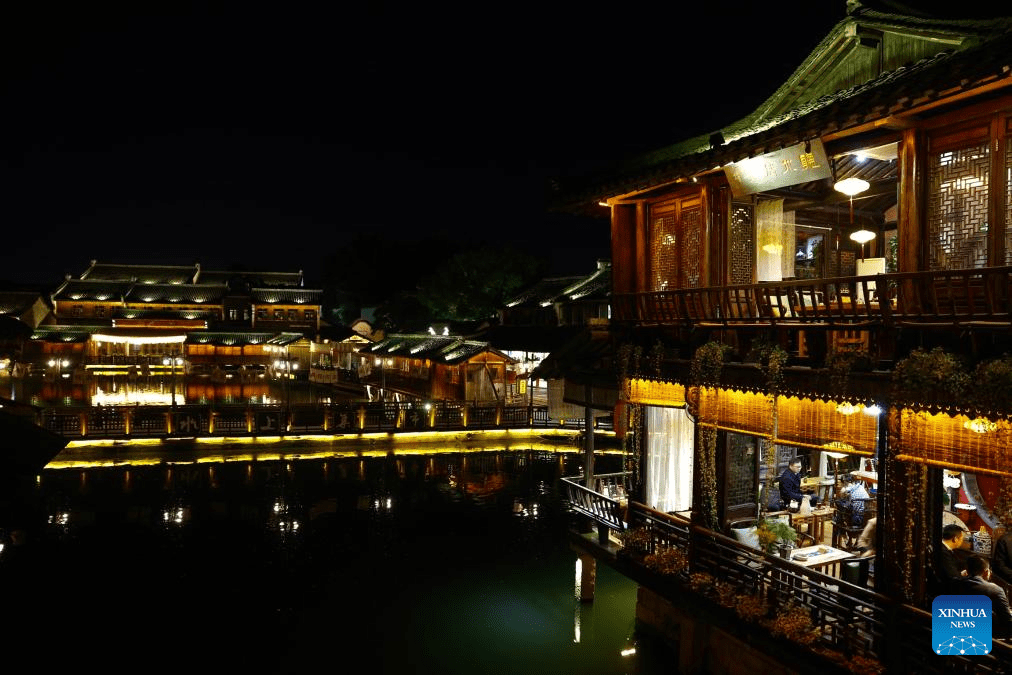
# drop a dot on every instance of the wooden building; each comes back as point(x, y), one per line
point(830, 278)
point(144, 318)
point(435, 367)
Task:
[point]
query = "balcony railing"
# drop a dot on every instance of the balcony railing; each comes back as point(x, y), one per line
point(850, 620)
point(927, 299)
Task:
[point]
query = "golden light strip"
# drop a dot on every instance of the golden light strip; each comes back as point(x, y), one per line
point(656, 392)
point(133, 340)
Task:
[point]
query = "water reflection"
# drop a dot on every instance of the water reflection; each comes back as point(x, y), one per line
point(163, 390)
point(453, 562)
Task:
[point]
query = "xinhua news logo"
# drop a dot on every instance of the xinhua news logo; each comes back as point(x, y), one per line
point(961, 625)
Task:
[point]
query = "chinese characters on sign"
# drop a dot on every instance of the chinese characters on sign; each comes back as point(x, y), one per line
point(799, 163)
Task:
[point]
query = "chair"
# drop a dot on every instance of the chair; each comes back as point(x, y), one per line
point(805, 539)
point(849, 521)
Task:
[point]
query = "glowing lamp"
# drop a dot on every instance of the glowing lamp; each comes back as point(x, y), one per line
point(851, 186)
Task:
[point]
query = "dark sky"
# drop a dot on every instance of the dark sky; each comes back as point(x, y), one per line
point(267, 135)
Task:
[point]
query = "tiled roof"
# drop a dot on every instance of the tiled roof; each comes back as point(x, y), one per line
point(442, 349)
point(92, 290)
point(560, 289)
point(287, 296)
point(543, 291)
point(191, 314)
point(66, 333)
point(235, 279)
point(144, 274)
point(928, 80)
point(16, 303)
point(237, 338)
point(191, 294)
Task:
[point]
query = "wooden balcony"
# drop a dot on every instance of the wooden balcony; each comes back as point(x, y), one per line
point(951, 299)
point(847, 621)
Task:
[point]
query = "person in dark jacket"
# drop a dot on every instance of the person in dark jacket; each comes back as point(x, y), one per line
point(790, 485)
point(1001, 559)
point(978, 582)
point(951, 570)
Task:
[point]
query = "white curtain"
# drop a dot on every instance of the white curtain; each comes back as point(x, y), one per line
point(669, 438)
point(770, 252)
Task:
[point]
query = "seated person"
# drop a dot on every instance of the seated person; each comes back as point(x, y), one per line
point(1001, 559)
point(849, 497)
point(790, 485)
point(978, 582)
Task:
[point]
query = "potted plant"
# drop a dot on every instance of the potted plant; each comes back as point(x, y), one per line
point(774, 533)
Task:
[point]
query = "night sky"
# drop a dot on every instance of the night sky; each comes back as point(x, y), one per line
point(264, 136)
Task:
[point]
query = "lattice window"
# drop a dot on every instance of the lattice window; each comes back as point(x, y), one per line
point(663, 248)
point(1008, 201)
point(957, 209)
point(741, 461)
point(741, 244)
point(692, 246)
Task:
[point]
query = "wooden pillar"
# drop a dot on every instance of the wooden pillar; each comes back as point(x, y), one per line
point(910, 220)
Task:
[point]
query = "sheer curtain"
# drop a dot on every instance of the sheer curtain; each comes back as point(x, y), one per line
point(669, 459)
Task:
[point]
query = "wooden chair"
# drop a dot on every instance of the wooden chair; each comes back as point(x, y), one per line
point(848, 525)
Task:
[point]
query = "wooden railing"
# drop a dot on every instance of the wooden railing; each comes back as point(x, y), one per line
point(134, 421)
point(604, 510)
point(928, 299)
point(849, 619)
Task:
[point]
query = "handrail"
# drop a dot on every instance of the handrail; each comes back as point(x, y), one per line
point(133, 421)
point(848, 619)
point(928, 298)
point(599, 508)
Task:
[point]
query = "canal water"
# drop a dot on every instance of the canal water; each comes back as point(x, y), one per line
point(409, 561)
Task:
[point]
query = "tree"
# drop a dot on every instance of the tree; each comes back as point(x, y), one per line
point(474, 284)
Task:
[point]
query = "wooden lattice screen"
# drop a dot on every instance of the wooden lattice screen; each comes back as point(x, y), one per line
point(958, 208)
point(663, 247)
point(741, 244)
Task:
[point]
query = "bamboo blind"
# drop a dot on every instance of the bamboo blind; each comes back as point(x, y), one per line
point(817, 424)
point(745, 412)
point(655, 392)
point(942, 440)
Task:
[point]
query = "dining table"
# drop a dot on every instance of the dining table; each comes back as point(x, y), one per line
point(825, 559)
point(815, 520)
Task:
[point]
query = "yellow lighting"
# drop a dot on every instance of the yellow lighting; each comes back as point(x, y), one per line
point(775, 249)
point(851, 186)
point(133, 340)
point(848, 408)
point(980, 425)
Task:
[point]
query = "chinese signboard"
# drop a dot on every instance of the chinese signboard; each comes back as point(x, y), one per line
point(799, 163)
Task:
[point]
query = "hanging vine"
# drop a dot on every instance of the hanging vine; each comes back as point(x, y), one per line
point(772, 360)
point(628, 360)
point(706, 368)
